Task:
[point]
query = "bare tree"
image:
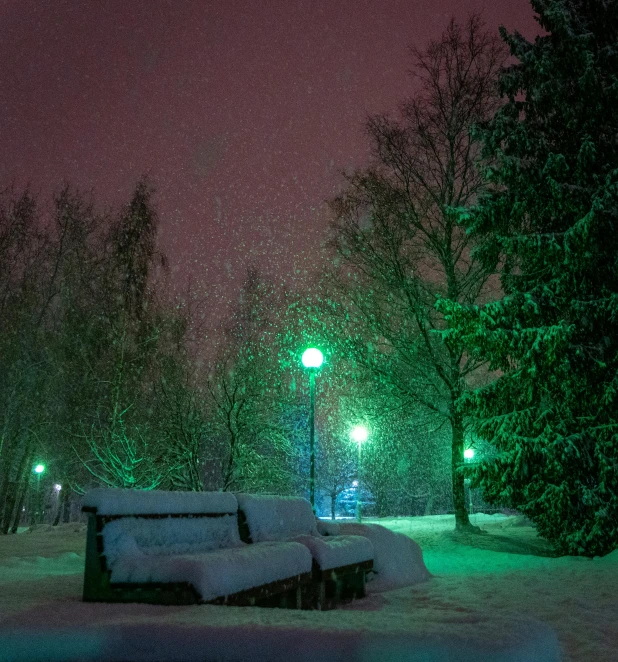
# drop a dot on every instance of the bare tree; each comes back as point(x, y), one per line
point(121, 453)
point(27, 283)
point(336, 466)
point(398, 238)
point(247, 395)
point(97, 382)
point(183, 425)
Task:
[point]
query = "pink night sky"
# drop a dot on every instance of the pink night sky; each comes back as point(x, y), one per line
point(243, 112)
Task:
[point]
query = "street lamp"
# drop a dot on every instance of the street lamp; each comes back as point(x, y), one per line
point(359, 434)
point(38, 469)
point(469, 453)
point(312, 360)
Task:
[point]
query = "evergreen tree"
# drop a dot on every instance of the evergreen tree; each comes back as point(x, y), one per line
point(549, 224)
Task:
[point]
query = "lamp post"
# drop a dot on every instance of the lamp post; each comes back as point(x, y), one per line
point(38, 469)
point(359, 434)
point(312, 360)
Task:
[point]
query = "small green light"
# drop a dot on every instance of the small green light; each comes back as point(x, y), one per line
point(312, 358)
point(469, 453)
point(39, 469)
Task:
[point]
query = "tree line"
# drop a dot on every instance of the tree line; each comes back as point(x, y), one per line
point(104, 381)
point(467, 302)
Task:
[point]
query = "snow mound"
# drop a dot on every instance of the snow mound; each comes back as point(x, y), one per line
point(612, 557)
point(59, 529)
point(13, 569)
point(397, 559)
point(518, 521)
point(158, 502)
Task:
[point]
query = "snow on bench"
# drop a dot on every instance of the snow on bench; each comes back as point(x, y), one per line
point(340, 563)
point(109, 501)
point(184, 547)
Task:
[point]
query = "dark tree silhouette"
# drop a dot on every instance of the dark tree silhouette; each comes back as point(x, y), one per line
point(549, 225)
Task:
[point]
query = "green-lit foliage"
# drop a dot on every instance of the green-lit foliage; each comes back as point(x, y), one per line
point(549, 225)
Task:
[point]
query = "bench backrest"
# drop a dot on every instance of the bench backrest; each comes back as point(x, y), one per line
point(133, 522)
point(111, 501)
point(169, 535)
point(275, 517)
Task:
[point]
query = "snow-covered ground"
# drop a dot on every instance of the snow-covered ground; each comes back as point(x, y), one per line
point(499, 596)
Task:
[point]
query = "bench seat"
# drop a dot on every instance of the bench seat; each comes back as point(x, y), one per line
point(215, 574)
point(337, 551)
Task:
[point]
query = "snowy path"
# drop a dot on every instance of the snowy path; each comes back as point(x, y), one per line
point(482, 604)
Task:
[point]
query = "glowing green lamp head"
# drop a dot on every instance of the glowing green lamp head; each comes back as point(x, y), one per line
point(312, 358)
point(359, 434)
point(39, 469)
point(469, 453)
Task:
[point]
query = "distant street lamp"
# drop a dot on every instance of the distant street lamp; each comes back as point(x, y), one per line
point(469, 453)
point(359, 434)
point(312, 360)
point(38, 469)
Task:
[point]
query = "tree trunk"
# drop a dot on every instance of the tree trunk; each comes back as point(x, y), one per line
point(20, 506)
point(62, 505)
point(229, 469)
point(429, 504)
point(66, 512)
point(462, 522)
point(333, 503)
point(7, 487)
point(23, 477)
point(9, 505)
point(10, 494)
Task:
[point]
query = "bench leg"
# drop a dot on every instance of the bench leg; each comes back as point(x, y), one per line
point(314, 595)
point(309, 596)
point(338, 590)
point(291, 599)
point(354, 586)
point(321, 595)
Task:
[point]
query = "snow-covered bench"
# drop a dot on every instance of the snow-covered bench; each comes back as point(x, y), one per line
point(340, 563)
point(184, 548)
